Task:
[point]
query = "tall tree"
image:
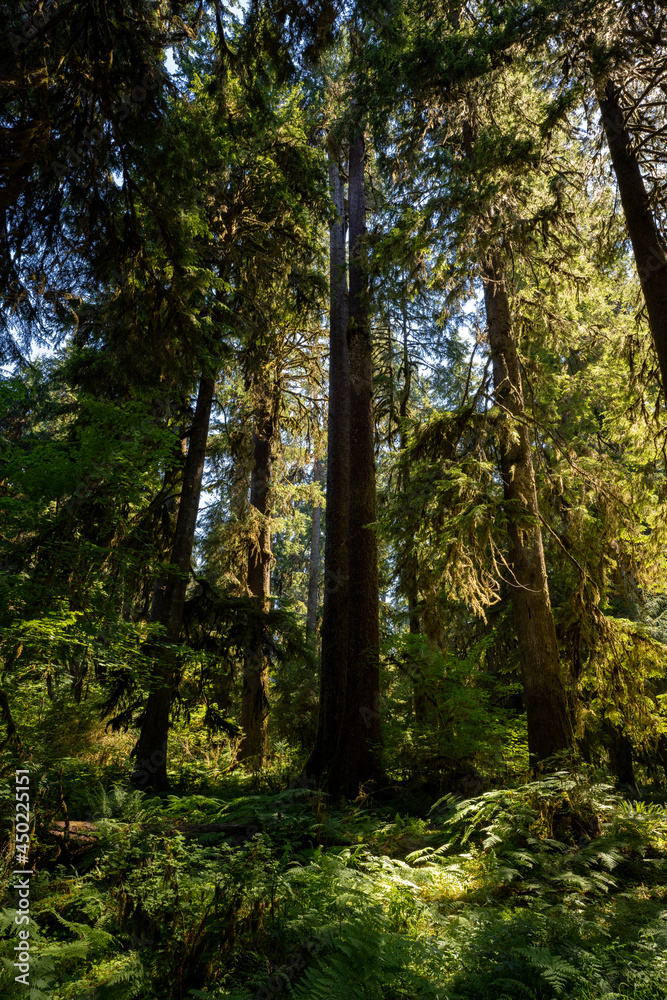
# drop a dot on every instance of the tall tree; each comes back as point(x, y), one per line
point(314, 560)
point(83, 88)
point(255, 696)
point(621, 49)
point(334, 631)
point(647, 243)
point(617, 51)
point(169, 599)
point(357, 760)
point(252, 227)
point(424, 701)
point(487, 170)
point(549, 727)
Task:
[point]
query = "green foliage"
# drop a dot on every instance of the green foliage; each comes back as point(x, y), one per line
point(190, 236)
point(470, 729)
point(550, 889)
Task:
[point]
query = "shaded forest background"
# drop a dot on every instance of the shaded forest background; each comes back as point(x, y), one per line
point(333, 497)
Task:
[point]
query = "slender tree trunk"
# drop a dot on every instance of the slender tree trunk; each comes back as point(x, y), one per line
point(255, 696)
point(356, 761)
point(423, 696)
point(646, 243)
point(13, 737)
point(549, 729)
point(166, 533)
point(333, 663)
point(151, 749)
point(661, 753)
point(620, 758)
point(314, 567)
point(423, 699)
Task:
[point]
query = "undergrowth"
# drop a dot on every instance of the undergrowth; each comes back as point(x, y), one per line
point(556, 888)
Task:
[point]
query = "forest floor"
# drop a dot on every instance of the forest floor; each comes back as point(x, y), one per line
point(549, 889)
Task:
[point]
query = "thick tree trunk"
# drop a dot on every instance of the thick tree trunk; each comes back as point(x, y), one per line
point(648, 250)
point(314, 567)
point(151, 749)
point(255, 696)
point(333, 663)
point(356, 761)
point(549, 729)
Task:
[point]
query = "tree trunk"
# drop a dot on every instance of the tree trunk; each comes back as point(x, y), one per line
point(661, 753)
point(620, 758)
point(13, 737)
point(646, 243)
point(549, 729)
point(422, 693)
point(255, 697)
point(333, 663)
point(151, 749)
point(314, 568)
point(356, 761)
point(423, 697)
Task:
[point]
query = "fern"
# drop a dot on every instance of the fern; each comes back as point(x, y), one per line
point(129, 981)
point(500, 901)
point(554, 969)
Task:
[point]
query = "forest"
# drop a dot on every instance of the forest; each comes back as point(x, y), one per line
point(333, 499)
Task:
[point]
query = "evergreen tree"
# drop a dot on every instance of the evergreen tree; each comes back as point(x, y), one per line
point(333, 664)
point(356, 761)
point(84, 84)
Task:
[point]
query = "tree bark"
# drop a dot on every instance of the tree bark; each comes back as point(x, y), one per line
point(255, 696)
point(424, 701)
point(647, 246)
point(423, 698)
point(549, 728)
point(356, 761)
point(620, 758)
point(661, 753)
point(13, 737)
point(334, 630)
point(314, 567)
point(151, 749)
